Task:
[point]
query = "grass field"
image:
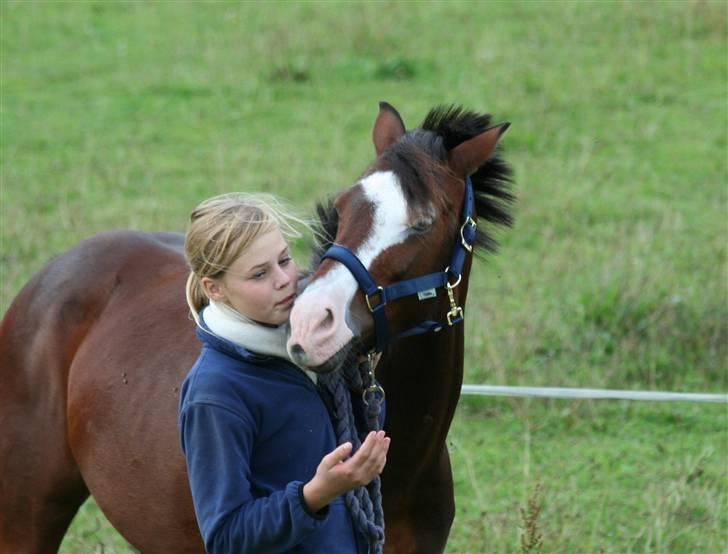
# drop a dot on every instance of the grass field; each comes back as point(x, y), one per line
point(127, 114)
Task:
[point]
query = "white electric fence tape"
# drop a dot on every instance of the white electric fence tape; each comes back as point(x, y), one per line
point(598, 394)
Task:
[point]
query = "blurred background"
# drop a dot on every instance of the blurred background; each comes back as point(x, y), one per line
point(127, 114)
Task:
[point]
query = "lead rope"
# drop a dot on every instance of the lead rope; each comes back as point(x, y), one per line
point(364, 503)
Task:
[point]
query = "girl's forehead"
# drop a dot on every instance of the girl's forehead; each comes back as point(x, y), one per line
point(262, 250)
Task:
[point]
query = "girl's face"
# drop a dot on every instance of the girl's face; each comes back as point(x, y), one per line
point(260, 284)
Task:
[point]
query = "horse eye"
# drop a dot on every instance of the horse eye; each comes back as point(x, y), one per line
point(422, 226)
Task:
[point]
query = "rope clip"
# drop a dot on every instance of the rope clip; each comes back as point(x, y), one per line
point(374, 388)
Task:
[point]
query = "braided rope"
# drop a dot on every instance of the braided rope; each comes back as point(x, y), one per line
point(364, 503)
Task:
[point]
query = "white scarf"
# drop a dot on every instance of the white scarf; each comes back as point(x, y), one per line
point(228, 323)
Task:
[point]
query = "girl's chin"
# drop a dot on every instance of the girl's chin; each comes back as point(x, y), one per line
point(280, 317)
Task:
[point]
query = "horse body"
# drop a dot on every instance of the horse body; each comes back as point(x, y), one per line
point(122, 418)
point(93, 349)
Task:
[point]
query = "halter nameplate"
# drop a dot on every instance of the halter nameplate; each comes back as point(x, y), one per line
point(426, 294)
point(377, 297)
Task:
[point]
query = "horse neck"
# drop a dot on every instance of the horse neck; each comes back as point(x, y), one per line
point(426, 377)
point(422, 377)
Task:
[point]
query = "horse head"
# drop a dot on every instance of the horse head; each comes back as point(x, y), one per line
point(397, 232)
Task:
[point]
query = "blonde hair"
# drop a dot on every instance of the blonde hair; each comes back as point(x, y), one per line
point(220, 230)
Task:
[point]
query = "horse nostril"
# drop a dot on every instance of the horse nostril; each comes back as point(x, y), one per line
point(297, 350)
point(328, 320)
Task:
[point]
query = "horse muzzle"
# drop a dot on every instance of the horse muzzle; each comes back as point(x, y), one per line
point(320, 339)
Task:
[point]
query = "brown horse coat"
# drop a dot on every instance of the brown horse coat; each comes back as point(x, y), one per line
point(93, 350)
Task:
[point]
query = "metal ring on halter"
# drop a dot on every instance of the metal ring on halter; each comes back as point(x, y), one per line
point(456, 282)
point(376, 388)
point(382, 301)
point(470, 221)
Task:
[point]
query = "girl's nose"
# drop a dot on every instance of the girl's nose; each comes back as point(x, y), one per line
point(282, 278)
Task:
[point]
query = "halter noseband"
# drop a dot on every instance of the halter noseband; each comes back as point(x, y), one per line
point(377, 297)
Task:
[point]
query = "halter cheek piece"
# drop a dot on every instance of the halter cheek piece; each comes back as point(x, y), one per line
point(377, 297)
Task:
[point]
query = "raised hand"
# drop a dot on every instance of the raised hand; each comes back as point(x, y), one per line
point(338, 473)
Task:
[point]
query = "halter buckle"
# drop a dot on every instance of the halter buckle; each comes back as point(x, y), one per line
point(456, 312)
point(469, 221)
point(382, 301)
point(454, 315)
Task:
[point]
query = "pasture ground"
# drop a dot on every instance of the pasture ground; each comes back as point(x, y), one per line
point(127, 114)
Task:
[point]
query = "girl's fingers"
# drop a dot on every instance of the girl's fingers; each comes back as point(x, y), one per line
point(381, 457)
point(380, 467)
point(367, 446)
point(338, 455)
point(372, 452)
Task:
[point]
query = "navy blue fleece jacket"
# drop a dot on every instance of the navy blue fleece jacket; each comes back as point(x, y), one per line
point(254, 429)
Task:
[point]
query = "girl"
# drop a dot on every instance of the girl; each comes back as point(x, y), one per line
point(263, 465)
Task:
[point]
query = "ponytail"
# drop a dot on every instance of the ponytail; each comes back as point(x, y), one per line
point(196, 297)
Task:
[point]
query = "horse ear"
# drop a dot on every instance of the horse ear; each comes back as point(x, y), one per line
point(387, 128)
point(467, 157)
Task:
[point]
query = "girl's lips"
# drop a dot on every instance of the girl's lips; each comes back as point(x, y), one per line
point(286, 301)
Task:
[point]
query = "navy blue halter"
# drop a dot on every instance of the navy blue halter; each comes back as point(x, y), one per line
point(377, 297)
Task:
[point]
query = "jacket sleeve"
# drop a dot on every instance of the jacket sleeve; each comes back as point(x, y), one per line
point(217, 444)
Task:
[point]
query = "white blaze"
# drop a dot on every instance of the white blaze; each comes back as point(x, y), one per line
point(389, 227)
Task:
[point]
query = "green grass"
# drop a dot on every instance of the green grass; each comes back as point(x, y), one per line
point(617, 477)
point(127, 114)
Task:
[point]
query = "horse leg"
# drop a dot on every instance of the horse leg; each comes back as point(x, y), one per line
point(419, 520)
point(41, 489)
point(40, 485)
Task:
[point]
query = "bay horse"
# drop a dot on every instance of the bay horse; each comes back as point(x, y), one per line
point(94, 347)
point(398, 266)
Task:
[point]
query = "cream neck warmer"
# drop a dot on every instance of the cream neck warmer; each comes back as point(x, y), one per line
point(226, 322)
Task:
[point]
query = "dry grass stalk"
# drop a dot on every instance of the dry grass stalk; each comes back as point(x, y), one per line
point(531, 537)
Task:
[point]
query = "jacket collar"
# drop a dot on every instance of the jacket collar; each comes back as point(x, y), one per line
point(233, 350)
point(239, 352)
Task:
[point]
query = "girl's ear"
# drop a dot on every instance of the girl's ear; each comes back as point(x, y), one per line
point(213, 289)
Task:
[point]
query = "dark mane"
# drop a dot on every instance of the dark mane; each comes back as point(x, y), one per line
point(412, 159)
point(492, 183)
point(324, 229)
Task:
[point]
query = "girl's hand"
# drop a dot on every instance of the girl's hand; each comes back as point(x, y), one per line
point(337, 475)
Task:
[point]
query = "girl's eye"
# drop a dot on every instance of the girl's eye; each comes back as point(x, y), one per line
point(284, 262)
point(259, 275)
